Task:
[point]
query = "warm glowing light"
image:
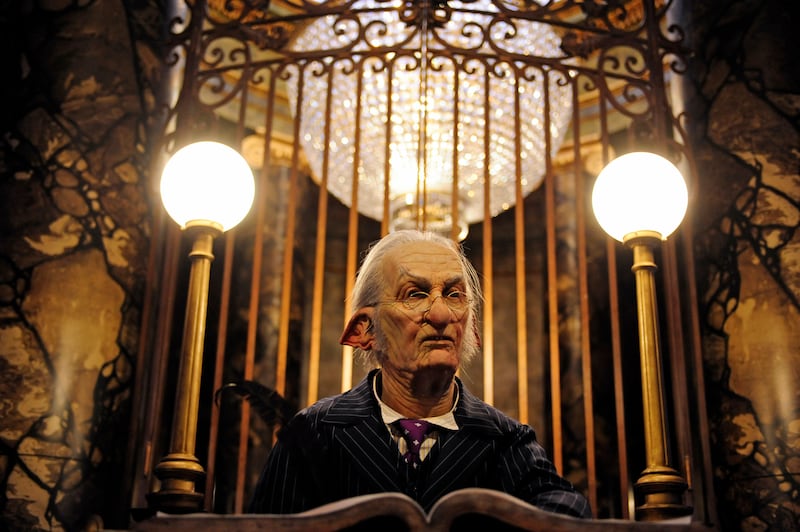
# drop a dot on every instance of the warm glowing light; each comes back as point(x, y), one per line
point(207, 183)
point(421, 104)
point(637, 192)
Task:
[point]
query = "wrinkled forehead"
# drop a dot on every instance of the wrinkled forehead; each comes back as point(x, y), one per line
point(422, 261)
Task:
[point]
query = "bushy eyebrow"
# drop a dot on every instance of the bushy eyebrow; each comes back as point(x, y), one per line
point(425, 283)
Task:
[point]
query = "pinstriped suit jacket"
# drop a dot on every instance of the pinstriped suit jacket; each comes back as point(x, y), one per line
point(339, 448)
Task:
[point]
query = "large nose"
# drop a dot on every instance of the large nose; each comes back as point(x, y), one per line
point(439, 313)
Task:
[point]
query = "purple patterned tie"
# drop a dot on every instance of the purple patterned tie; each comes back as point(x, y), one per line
point(414, 432)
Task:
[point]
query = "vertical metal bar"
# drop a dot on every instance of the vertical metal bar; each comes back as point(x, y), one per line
point(352, 233)
point(677, 359)
point(288, 250)
point(422, 144)
point(696, 365)
point(319, 261)
point(164, 302)
point(488, 289)
point(519, 253)
point(455, 195)
point(552, 293)
point(387, 153)
point(619, 385)
point(583, 290)
point(219, 362)
point(253, 308)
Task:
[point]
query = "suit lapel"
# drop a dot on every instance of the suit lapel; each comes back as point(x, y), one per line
point(360, 430)
point(461, 452)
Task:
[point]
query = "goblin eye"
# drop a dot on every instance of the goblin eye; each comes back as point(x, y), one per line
point(417, 294)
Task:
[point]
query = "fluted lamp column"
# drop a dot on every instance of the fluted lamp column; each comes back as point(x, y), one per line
point(639, 199)
point(207, 188)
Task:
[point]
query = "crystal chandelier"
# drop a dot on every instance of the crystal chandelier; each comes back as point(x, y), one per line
point(427, 103)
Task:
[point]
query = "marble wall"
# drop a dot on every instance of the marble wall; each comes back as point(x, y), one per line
point(73, 255)
point(743, 116)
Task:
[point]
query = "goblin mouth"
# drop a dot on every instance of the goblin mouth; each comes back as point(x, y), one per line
point(438, 339)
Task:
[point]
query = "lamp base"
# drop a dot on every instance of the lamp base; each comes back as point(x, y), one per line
point(176, 501)
point(661, 490)
point(179, 474)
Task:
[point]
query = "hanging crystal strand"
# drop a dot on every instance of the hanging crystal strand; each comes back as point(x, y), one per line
point(422, 148)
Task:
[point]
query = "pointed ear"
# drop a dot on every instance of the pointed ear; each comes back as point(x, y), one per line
point(358, 331)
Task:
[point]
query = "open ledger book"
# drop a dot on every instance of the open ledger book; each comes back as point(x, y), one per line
point(467, 509)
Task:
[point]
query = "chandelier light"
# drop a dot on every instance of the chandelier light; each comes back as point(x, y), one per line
point(426, 96)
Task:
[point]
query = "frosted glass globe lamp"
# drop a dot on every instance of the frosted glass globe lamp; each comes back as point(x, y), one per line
point(207, 188)
point(640, 199)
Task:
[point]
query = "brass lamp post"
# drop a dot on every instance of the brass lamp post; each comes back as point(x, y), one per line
point(207, 188)
point(640, 199)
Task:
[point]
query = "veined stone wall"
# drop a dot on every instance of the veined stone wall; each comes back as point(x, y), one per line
point(73, 254)
point(744, 120)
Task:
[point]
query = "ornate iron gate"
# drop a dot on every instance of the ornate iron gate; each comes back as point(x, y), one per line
point(504, 112)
